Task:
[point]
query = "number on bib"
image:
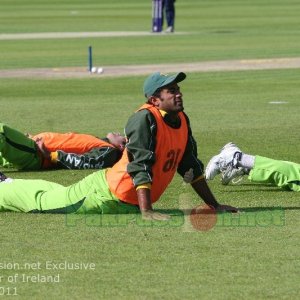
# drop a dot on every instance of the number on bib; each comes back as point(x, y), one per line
point(171, 162)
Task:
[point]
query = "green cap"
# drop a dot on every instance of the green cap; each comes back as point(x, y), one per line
point(158, 80)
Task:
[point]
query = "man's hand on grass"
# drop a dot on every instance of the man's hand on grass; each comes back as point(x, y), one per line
point(154, 216)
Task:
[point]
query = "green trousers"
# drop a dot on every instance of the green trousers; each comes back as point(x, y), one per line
point(19, 150)
point(90, 195)
point(280, 173)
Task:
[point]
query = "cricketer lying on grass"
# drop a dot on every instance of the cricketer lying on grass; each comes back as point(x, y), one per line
point(52, 150)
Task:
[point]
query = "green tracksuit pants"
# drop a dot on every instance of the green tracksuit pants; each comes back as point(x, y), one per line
point(280, 173)
point(90, 195)
point(17, 149)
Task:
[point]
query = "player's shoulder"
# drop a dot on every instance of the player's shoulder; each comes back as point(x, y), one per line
point(140, 122)
point(142, 115)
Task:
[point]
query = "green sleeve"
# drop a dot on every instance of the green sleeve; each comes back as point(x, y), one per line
point(141, 133)
point(190, 156)
point(97, 158)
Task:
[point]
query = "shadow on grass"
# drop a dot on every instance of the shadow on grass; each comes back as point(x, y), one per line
point(13, 171)
point(180, 212)
point(260, 188)
point(258, 208)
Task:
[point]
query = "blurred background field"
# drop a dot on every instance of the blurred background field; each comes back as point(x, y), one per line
point(134, 259)
point(210, 30)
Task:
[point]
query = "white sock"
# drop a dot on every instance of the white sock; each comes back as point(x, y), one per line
point(247, 161)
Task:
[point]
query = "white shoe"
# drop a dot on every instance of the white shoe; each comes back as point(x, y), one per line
point(213, 168)
point(170, 29)
point(228, 157)
point(234, 175)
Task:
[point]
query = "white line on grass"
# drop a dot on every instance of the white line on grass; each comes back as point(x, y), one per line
point(278, 102)
point(71, 35)
point(135, 70)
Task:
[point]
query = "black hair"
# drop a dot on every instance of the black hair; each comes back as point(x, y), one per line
point(157, 93)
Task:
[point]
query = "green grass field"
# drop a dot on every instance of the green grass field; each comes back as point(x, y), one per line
point(251, 255)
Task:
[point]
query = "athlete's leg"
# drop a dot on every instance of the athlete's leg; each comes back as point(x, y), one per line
point(18, 149)
point(170, 12)
point(22, 195)
point(284, 174)
point(90, 195)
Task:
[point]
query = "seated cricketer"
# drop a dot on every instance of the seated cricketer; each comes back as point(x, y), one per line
point(50, 150)
point(159, 143)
